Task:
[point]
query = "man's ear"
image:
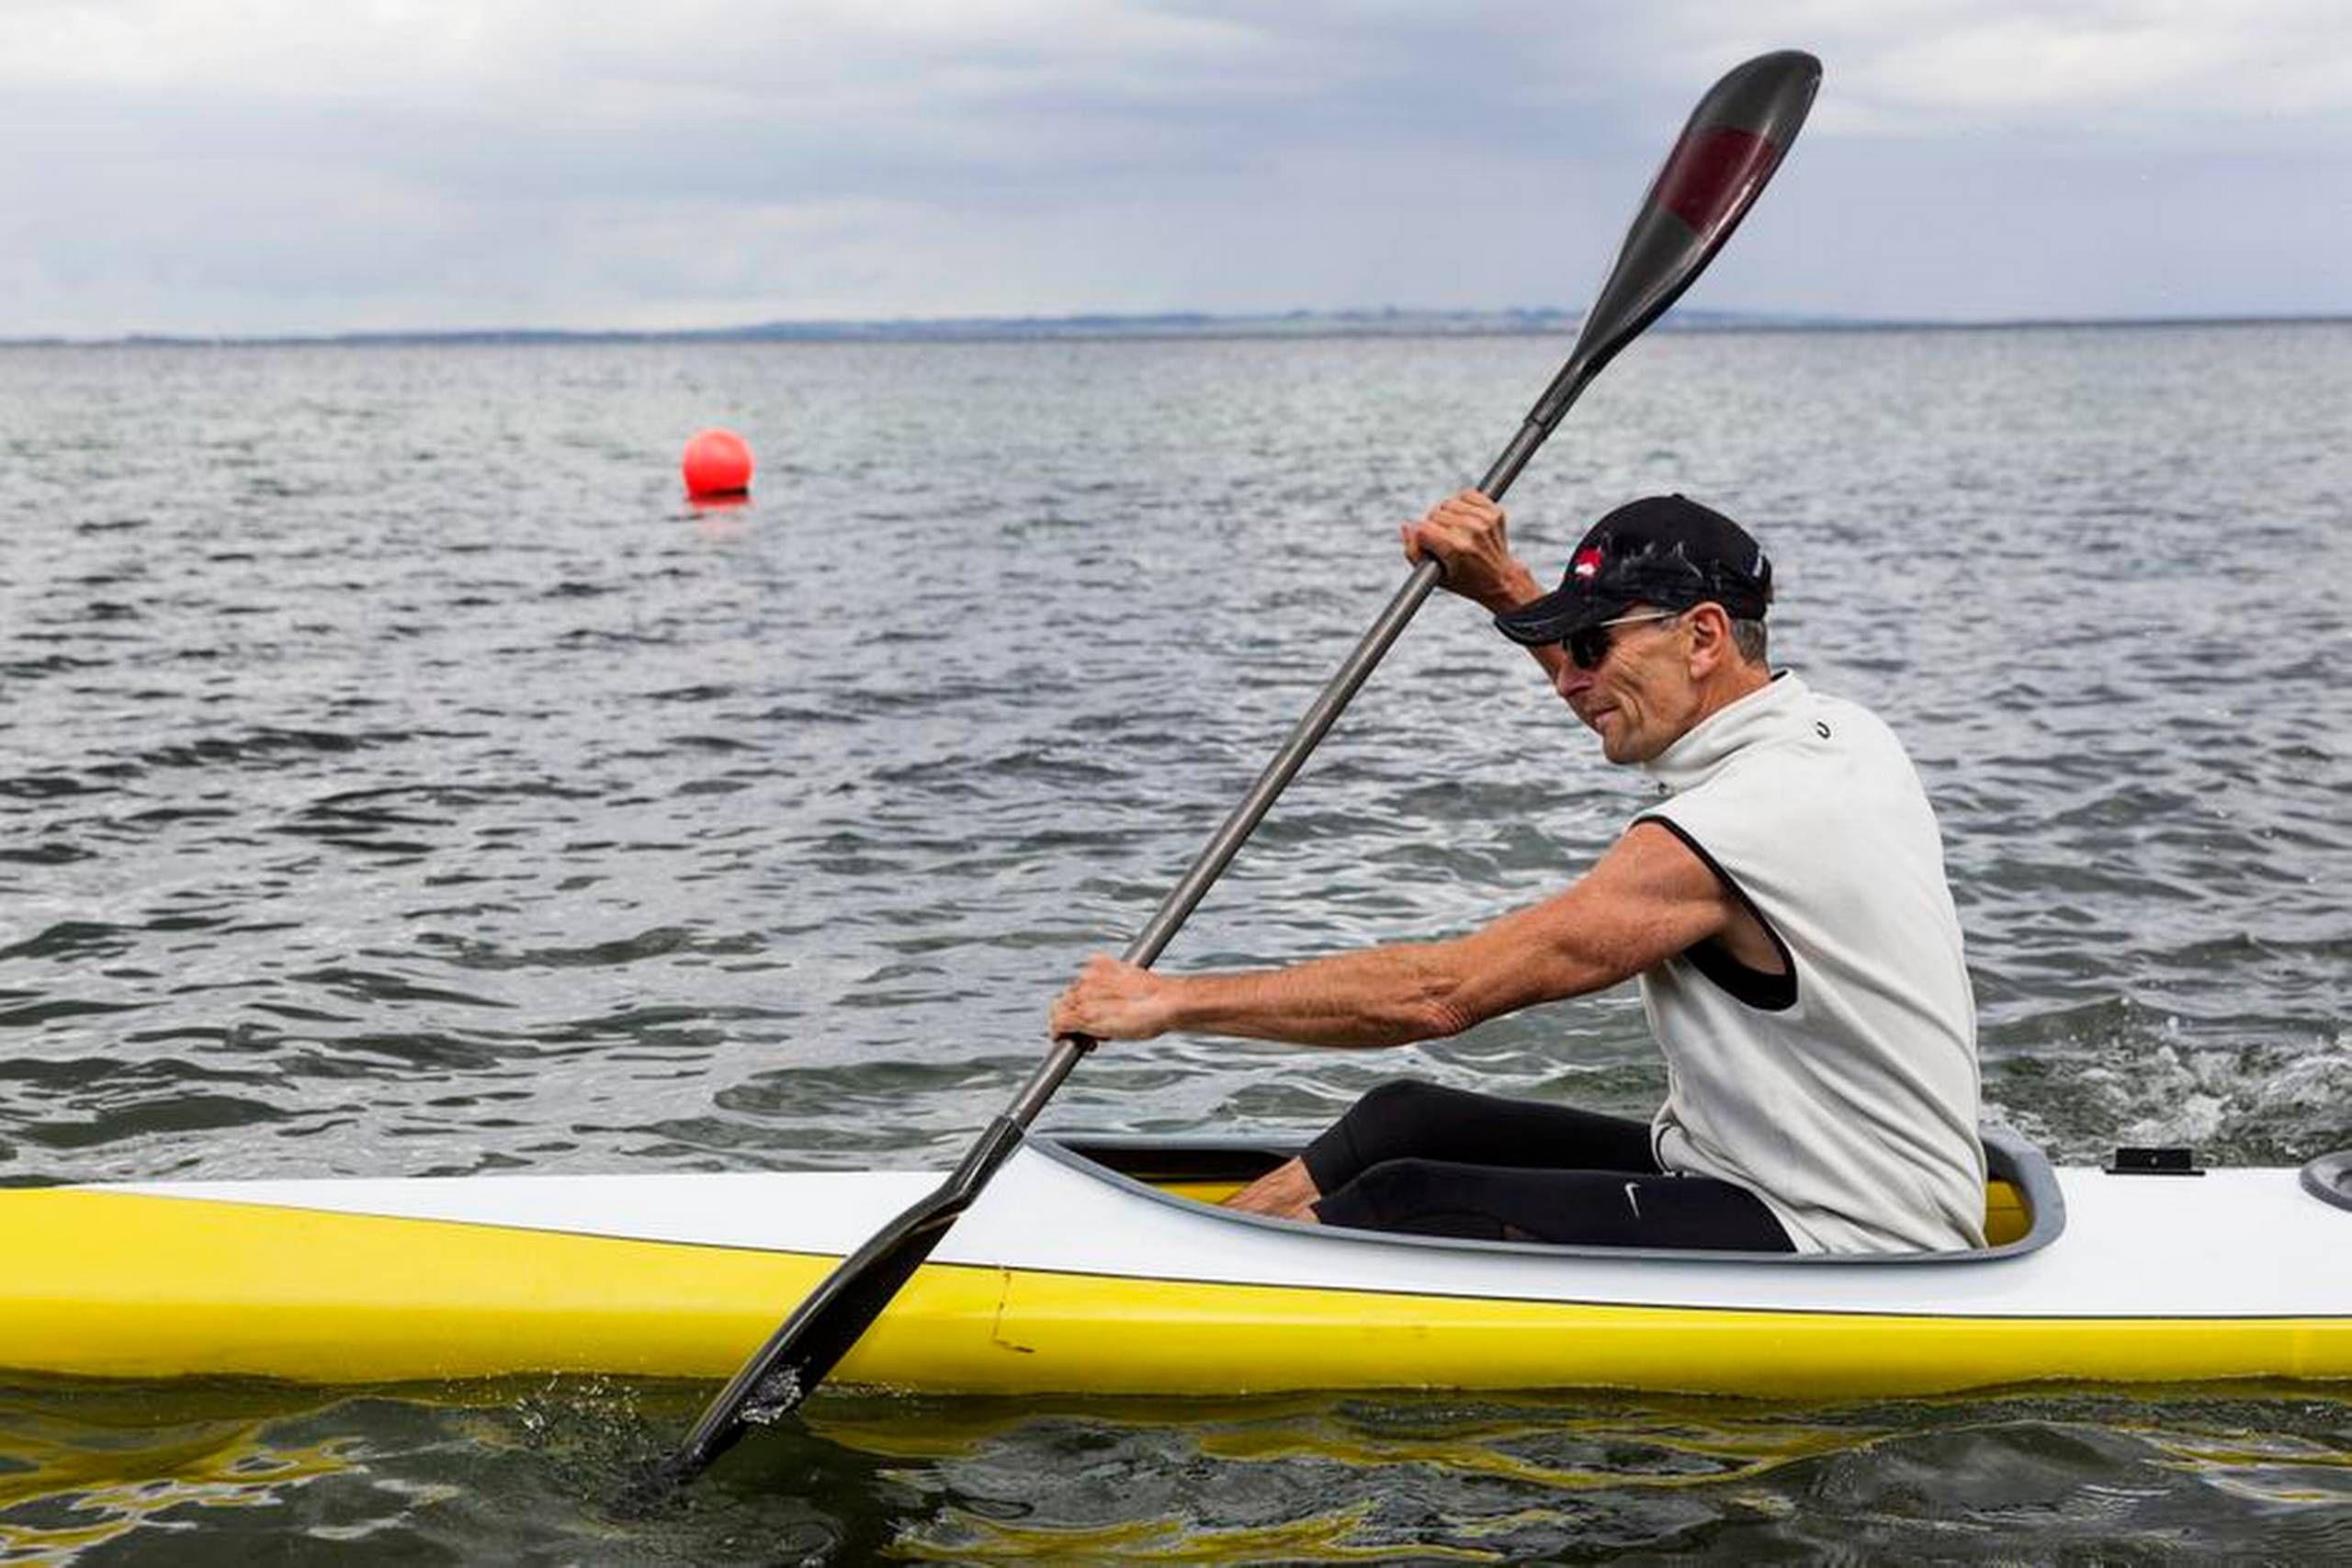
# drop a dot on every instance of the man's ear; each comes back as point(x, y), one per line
point(1711, 642)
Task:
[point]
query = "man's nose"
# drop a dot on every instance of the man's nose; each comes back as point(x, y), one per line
point(1568, 679)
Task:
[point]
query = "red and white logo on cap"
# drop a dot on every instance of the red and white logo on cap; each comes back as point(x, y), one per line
point(1586, 567)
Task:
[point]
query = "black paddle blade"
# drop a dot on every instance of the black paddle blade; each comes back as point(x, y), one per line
point(1735, 139)
point(822, 1329)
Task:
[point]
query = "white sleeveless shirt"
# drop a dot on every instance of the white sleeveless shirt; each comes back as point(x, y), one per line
point(1847, 1101)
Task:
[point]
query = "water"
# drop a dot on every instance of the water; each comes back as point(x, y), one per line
point(397, 777)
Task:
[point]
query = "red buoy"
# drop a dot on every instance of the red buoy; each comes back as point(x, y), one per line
point(718, 463)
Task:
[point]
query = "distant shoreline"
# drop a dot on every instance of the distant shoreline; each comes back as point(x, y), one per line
point(1172, 327)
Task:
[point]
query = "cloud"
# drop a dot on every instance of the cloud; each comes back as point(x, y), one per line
point(265, 165)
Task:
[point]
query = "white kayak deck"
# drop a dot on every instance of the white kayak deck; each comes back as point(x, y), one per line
point(2228, 1243)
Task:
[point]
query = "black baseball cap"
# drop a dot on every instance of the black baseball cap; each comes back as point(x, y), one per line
point(1665, 550)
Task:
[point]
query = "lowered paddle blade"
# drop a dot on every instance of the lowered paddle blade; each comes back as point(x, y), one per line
point(832, 1318)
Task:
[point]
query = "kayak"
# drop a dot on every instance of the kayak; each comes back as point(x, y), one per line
point(1102, 1265)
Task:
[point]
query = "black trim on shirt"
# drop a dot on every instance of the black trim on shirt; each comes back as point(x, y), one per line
point(1752, 987)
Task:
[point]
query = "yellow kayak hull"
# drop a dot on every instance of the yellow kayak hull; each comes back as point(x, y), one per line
point(132, 1285)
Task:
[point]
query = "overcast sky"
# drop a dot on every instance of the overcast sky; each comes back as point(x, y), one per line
point(328, 166)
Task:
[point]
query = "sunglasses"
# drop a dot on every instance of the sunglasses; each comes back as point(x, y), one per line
point(1588, 645)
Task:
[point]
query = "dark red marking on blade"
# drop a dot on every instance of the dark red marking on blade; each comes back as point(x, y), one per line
point(1710, 172)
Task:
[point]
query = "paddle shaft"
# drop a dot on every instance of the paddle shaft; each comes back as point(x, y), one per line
point(1726, 152)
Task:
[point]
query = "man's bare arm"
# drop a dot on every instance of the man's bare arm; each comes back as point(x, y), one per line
point(1648, 899)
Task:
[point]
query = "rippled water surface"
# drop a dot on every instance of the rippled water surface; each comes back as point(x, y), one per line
point(396, 777)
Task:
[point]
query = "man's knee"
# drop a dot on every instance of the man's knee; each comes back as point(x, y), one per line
point(1401, 1118)
point(1399, 1103)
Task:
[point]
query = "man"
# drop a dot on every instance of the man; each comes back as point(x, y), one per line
point(1782, 903)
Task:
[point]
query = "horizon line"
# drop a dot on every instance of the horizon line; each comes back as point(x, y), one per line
point(1385, 321)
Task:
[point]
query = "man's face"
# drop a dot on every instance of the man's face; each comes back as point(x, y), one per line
point(1642, 697)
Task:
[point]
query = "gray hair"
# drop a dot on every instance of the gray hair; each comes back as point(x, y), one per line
point(1750, 639)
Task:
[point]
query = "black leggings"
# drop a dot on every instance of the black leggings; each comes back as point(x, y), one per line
point(1434, 1161)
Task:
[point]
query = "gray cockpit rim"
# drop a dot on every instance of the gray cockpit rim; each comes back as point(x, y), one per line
point(2329, 1178)
point(1111, 1157)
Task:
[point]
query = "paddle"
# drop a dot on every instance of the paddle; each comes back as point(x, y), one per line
point(1734, 140)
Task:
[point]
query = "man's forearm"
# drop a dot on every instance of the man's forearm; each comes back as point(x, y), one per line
point(1379, 995)
point(1520, 589)
point(1517, 587)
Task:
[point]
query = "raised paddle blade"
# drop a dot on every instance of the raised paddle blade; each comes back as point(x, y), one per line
point(1734, 140)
